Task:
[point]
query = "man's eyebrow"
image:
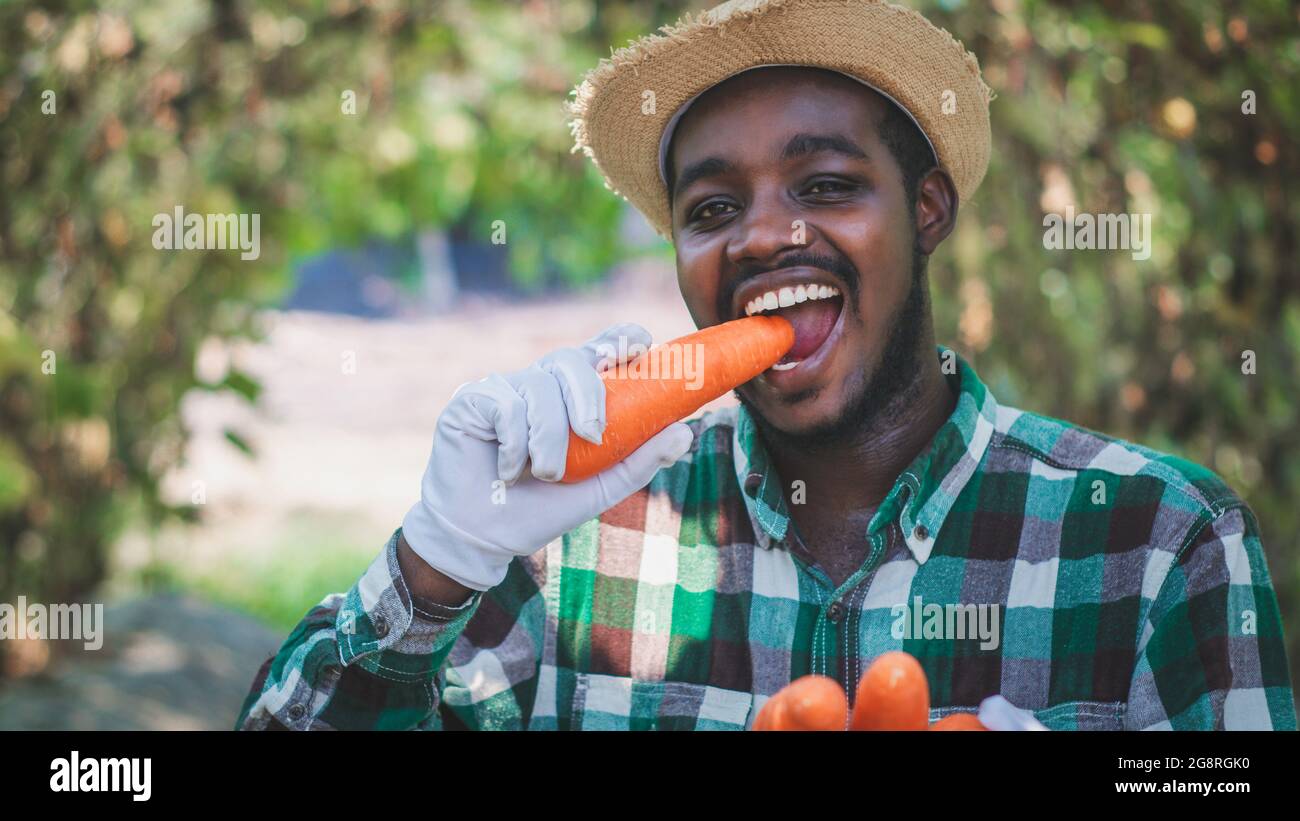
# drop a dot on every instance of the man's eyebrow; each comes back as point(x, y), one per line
point(799, 145)
point(709, 167)
point(803, 144)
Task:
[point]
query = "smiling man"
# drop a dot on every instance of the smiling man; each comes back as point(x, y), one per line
point(805, 158)
point(826, 214)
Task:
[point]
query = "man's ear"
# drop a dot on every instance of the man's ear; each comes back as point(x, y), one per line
point(936, 209)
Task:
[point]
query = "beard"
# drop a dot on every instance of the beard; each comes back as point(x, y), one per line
point(883, 394)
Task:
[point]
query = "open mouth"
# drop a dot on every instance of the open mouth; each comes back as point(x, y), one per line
point(812, 309)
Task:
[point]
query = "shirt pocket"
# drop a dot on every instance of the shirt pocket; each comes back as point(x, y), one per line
point(1083, 715)
point(602, 702)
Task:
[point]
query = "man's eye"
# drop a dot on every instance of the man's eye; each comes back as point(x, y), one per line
point(829, 187)
point(709, 210)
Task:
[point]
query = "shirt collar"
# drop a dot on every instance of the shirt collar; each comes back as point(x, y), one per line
point(924, 492)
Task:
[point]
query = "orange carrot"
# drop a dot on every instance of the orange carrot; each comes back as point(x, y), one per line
point(958, 721)
point(807, 703)
point(817, 703)
point(772, 715)
point(893, 695)
point(671, 381)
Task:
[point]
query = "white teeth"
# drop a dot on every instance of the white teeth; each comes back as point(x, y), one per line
point(787, 366)
point(785, 297)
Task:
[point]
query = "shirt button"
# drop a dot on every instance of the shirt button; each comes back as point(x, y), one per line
point(381, 625)
point(752, 482)
point(921, 532)
point(296, 712)
point(835, 613)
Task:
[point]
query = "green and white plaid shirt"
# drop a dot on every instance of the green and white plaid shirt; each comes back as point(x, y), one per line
point(1130, 586)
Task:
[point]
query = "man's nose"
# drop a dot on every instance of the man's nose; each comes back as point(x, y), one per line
point(767, 228)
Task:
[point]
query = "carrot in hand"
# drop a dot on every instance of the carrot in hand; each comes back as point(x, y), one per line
point(670, 382)
point(893, 695)
point(817, 703)
point(807, 703)
point(958, 721)
point(772, 715)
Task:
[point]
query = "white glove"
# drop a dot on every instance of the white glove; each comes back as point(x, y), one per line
point(997, 713)
point(478, 508)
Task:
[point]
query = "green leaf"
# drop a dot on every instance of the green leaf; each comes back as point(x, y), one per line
point(239, 442)
point(242, 384)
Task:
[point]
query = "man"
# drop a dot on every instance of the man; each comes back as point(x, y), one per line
point(870, 494)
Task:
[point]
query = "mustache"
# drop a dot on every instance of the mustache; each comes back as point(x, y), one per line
point(837, 266)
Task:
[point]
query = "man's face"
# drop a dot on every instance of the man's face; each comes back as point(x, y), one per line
point(778, 146)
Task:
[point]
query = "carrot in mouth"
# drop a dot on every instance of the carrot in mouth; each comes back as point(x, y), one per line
point(671, 381)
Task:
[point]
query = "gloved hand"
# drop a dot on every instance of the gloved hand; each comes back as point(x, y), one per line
point(997, 713)
point(478, 506)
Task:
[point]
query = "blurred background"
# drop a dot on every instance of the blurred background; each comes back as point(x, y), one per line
point(210, 445)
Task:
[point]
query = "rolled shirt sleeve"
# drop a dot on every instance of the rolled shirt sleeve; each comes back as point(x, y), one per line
point(369, 659)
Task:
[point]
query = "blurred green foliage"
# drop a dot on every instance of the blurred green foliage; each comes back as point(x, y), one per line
point(239, 107)
point(1137, 107)
point(336, 121)
point(309, 555)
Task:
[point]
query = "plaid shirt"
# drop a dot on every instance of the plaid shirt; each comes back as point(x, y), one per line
point(1130, 586)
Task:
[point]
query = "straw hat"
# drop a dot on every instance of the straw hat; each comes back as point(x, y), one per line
point(625, 129)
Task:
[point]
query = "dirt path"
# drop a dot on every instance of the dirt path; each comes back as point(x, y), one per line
point(168, 663)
